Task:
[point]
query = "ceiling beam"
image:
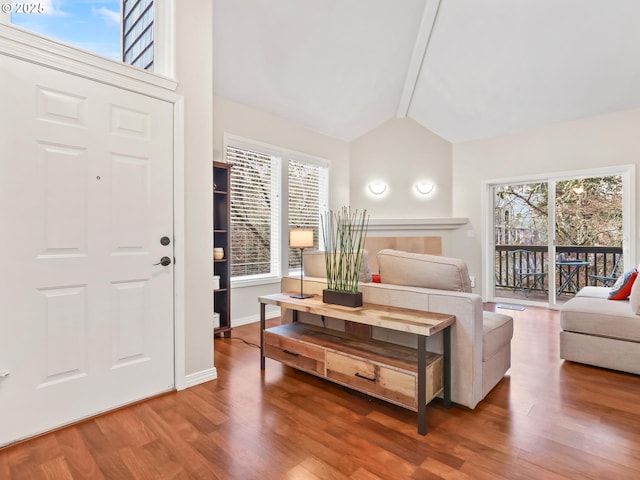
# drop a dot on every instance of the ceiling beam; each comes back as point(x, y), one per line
point(417, 56)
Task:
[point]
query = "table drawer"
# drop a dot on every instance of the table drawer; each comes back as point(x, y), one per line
point(294, 353)
point(369, 377)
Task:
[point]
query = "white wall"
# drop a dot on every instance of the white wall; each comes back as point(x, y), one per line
point(194, 73)
point(234, 118)
point(401, 152)
point(609, 140)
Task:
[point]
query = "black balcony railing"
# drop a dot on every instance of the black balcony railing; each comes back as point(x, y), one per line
point(601, 262)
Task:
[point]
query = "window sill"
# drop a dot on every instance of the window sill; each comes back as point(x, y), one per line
point(254, 282)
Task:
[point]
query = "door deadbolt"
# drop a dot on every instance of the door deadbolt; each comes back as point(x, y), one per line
point(164, 261)
point(165, 241)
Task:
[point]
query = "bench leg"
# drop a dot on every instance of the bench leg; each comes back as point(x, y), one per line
point(422, 385)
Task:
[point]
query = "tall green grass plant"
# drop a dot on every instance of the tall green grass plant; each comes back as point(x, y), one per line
point(344, 233)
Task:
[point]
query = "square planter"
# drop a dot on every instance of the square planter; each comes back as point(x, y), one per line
point(346, 299)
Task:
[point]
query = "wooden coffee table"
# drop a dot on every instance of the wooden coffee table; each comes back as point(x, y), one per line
point(409, 377)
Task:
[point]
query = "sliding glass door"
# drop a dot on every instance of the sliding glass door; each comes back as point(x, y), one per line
point(589, 233)
point(521, 240)
point(554, 236)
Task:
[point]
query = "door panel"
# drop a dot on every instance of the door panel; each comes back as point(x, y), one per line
point(64, 312)
point(520, 241)
point(86, 317)
point(65, 197)
point(589, 231)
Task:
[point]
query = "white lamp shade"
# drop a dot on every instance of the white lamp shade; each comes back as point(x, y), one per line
point(300, 238)
point(377, 187)
point(425, 188)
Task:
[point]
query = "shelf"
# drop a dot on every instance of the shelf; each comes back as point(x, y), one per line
point(342, 358)
point(384, 225)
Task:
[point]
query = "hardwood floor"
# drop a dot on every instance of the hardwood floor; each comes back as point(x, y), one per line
point(546, 419)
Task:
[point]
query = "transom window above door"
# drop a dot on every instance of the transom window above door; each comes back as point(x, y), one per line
point(121, 30)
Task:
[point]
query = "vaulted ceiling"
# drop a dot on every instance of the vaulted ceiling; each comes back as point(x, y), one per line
point(464, 69)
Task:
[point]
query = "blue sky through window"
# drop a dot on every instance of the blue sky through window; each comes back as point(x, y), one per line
point(93, 25)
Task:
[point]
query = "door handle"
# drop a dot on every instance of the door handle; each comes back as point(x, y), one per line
point(4, 374)
point(164, 261)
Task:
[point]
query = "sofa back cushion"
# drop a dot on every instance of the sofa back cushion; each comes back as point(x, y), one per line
point(422, 270)
point(314, 265)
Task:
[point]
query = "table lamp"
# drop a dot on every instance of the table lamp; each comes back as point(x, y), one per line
point(301, 238)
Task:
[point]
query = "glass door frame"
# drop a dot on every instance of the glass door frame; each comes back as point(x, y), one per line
point(626, 172)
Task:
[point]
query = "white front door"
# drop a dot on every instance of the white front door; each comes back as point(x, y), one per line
point(86, 311)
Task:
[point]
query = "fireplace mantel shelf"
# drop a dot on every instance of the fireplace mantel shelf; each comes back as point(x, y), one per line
point(431, 223)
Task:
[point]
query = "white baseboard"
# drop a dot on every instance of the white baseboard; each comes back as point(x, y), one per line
point(236, 322)
point(199, 377)
point(211, 373)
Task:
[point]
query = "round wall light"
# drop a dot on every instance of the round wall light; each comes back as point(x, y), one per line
point(377, 188)
point(425, 188)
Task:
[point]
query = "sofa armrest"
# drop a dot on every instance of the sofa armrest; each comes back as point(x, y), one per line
point(466, 332)
point(310, 285)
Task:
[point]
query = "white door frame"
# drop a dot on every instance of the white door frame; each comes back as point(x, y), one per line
point(40, 50)
point(628, 174)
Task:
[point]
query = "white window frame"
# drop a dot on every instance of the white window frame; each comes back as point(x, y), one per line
point(282, 242)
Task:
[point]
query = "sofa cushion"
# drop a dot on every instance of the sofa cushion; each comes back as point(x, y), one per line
point(314, 265)
point(595, 292)
point(365, 268)
point(422, 270)
point(595, 316)
point(497, 330)
point(622, 288)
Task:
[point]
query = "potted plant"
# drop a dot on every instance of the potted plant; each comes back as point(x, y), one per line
point(344, 233)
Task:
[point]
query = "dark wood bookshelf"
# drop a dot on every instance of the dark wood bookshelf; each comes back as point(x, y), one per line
point(221, 228)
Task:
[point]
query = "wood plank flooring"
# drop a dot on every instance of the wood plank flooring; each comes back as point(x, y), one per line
point(547, 419)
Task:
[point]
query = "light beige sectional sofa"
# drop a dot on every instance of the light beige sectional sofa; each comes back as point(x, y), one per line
point(480, 341)
point(602, 332)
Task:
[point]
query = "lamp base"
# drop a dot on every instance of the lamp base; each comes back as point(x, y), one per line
point(301, 296)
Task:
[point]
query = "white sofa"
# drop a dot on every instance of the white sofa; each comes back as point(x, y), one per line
point(480, 341)
point(601, 332)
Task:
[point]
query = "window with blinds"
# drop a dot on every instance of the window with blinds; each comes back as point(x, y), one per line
point(260, 201)
point(255, 213)
point(307, 201)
